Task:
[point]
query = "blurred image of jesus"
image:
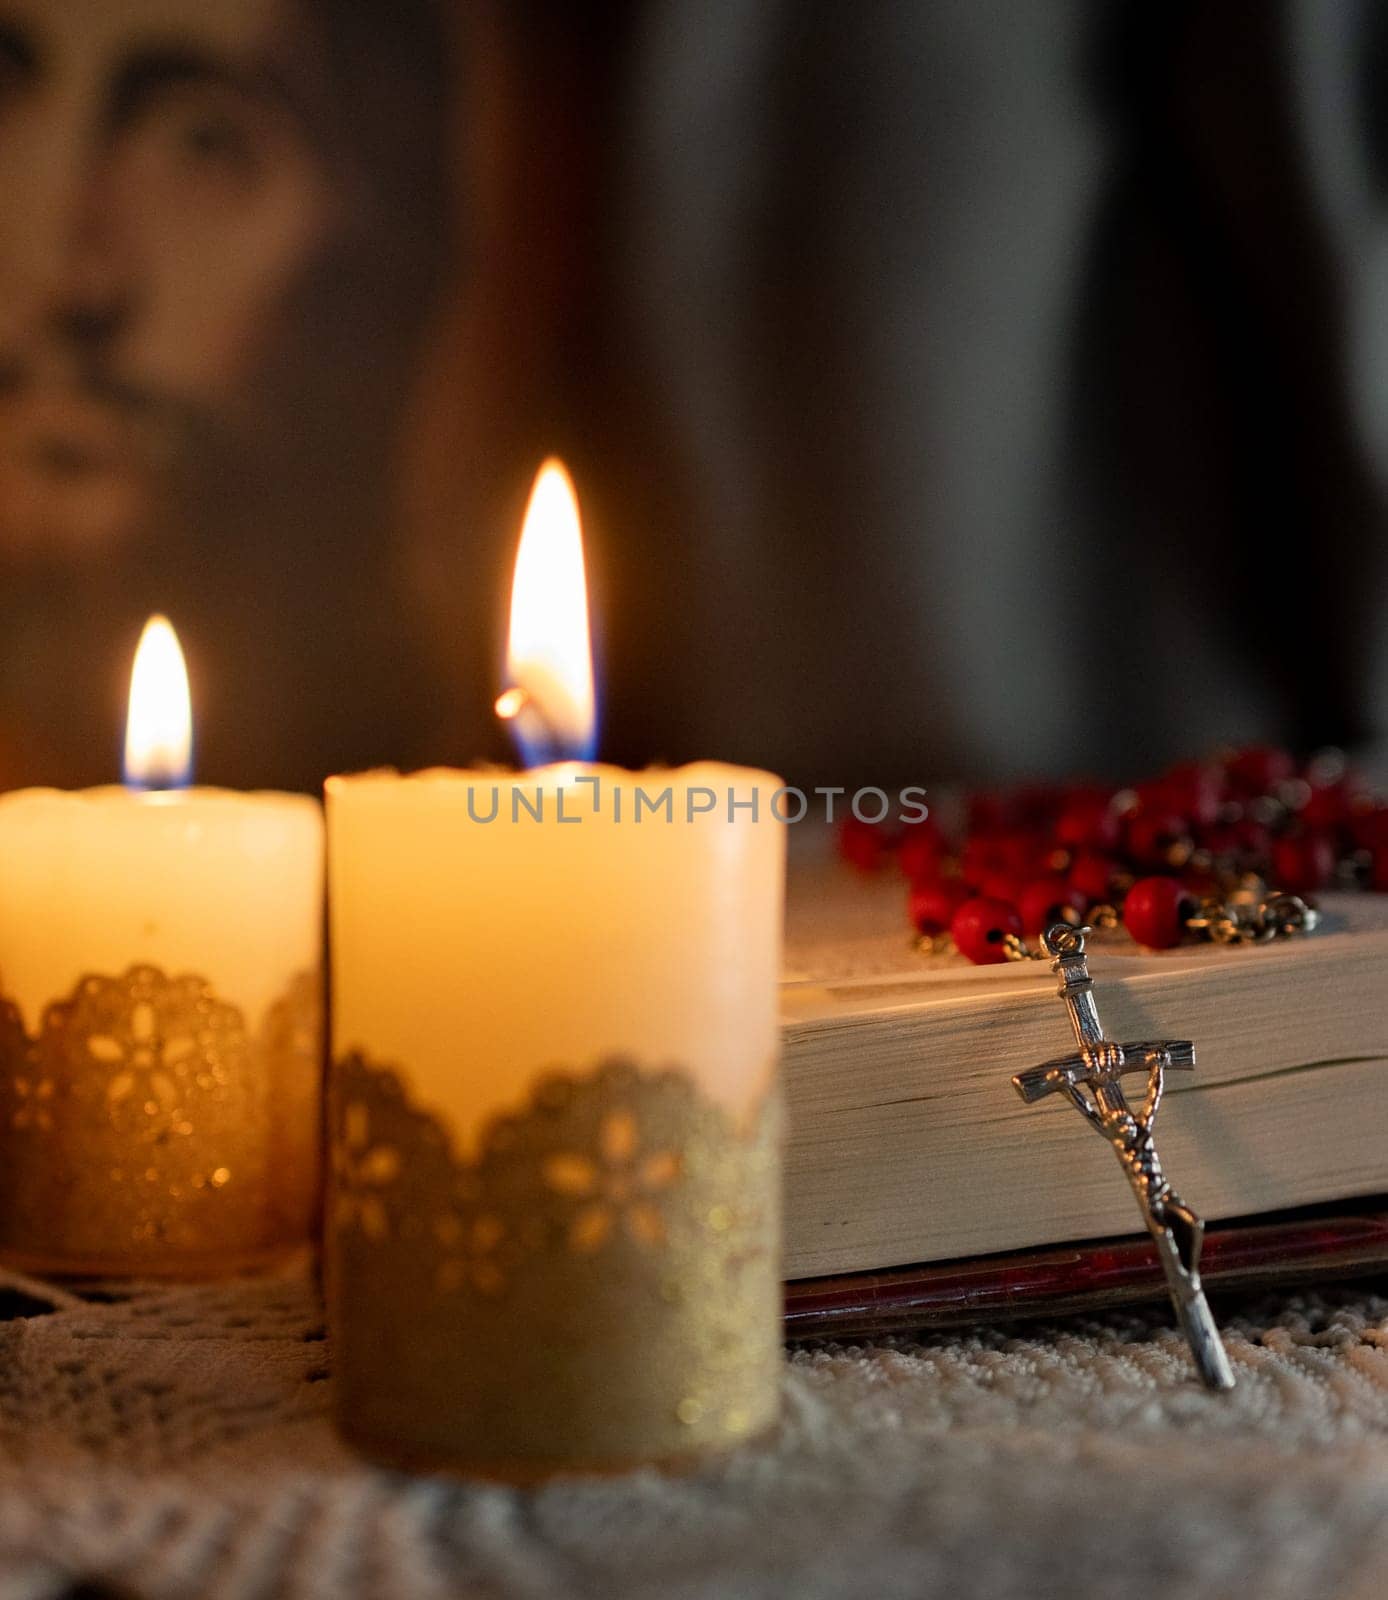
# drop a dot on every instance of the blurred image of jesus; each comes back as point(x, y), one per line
point(221, 224)
point(890, 347)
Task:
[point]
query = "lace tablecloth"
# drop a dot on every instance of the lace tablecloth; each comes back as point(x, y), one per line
point(175, 1443)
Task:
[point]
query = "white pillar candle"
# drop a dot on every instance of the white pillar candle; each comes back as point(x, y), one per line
point(160, 958)
point(528, 942)
point(554, 1228)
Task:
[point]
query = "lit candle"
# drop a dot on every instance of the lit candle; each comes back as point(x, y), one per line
point(160, 956)
point(554, 1230)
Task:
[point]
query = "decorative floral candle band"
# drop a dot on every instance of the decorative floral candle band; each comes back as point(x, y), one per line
point(598, 1287)
point(148, 1128)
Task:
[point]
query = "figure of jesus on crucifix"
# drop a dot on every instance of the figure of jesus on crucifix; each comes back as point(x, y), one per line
point(1092, 1081)
point(1130, 1134)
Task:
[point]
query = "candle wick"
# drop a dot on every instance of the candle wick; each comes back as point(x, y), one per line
point(511, 702)
point(535, 735)
point(160, 780)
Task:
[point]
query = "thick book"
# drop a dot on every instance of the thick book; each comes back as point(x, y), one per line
point(909, 1146)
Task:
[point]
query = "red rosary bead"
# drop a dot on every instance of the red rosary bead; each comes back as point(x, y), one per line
point(931, 904)
point(980, 928)
point(1303, 863)
point(1046, 901)
point(1156, 910)
point(1194, 790)
point(984, 855)
point(1089, 824)
point(1328, 806)
point(921, 851)
point(1091, 876)
point(1002, 884)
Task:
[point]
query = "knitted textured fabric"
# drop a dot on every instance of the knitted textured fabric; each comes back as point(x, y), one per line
point(174, 1442)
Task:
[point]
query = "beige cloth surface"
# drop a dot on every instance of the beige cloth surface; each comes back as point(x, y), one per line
point(176, 1443)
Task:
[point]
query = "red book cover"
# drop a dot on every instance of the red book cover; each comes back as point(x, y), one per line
point(1321, 1242)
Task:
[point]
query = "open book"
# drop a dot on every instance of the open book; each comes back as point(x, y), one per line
point(909, 1144)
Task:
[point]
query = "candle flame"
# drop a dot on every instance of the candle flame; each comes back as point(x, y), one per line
point(549, 660)
point(159, 727)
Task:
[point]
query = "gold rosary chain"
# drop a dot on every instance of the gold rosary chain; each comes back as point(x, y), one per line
point(1237, 920)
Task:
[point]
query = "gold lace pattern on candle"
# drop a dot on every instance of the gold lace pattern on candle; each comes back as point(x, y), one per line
point(145, 1126)
point(600, 1284)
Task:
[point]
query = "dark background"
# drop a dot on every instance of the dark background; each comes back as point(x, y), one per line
point(965, 389)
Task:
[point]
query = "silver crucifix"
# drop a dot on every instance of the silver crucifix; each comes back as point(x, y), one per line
point(1092, 1080)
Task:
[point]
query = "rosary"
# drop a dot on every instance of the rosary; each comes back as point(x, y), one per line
point(1193, 854)
point(1224, 850)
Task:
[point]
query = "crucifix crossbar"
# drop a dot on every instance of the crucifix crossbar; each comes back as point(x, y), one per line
point(1092, 1080)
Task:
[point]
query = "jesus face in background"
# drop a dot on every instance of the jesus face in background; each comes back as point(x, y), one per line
point(164, 186)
